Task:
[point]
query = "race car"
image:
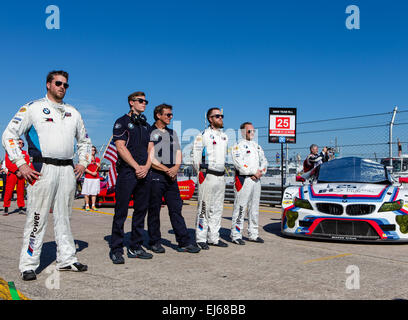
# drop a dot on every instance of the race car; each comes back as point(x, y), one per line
point(347, 199)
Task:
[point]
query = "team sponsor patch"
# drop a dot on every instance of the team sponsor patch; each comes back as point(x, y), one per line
point(17, 118)
point(118, 126)
point(68, 114)
point(22, 109)
point(46, 111)
point(30, 249)
point(237, 228)
point(131, 125)
point(49, 119)
point(11, 143)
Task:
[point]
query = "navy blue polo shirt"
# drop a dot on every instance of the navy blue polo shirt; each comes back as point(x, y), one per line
point(166, 144)
point(136, 136)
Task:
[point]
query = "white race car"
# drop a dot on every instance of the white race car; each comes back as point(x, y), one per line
point(347, 199)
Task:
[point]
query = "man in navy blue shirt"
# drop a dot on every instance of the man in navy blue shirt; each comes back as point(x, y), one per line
point(166, 160)
point(132, 141)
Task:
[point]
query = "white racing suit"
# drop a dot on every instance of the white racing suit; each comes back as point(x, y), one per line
point(209, 153)
point(50, 130)
point(248, 157)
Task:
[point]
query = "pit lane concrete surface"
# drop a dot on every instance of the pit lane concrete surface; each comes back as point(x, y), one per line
point(281, 268)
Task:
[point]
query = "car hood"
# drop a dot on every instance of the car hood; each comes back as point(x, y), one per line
point(341, 191)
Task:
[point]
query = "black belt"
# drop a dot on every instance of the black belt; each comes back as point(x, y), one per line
point(55, 162)
point(242, 175)
point(215, 173)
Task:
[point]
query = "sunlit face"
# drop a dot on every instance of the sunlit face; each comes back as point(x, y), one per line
point(57, 88)
point(138, 104)
point(248, 132)
point(165, 116)
point(216, 119)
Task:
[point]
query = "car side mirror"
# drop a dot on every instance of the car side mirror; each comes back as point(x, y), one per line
point(300, 179)
point(403, 179)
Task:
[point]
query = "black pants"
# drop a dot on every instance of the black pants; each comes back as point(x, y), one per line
point(163, 187)
point(127, 185)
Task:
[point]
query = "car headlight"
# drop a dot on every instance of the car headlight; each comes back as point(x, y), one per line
point(291, 218)
point(391, 206)
point(305, 204)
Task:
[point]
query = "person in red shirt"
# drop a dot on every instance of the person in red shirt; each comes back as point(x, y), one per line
point(14, 177)
point(91, 186)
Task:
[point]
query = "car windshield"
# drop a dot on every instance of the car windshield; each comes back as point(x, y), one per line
point(352, 169)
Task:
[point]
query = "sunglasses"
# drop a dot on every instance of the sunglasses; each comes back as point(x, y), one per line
point(59, 83)
point(250, 131)
point(141, 100)
point(168, 115)
point(218, 116)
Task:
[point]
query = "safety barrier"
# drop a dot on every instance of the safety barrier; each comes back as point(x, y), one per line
point(270, 195)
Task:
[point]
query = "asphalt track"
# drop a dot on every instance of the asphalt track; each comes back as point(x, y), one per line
point(281, 268)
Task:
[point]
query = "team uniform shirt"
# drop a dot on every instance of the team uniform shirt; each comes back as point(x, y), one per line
point(50, 130)
point(210, 150)
point(136, 137)
point(248, 157)
point(166, 145)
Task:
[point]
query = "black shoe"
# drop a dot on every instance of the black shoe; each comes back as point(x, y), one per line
point(117, 258)
point(238, 241)
point(203, 245)
point(220, 244)
point(157, 248)
point(77, 267)
point(257, 240)
point(190, 248)
point(28, 275)
point(21, 210)
point(139, 253)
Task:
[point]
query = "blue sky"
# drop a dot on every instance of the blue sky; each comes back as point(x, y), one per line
point(244, 56)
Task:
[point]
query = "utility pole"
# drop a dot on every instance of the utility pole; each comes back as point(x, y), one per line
point(390, 131)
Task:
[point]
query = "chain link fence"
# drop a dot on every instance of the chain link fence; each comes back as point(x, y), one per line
point(369, 136)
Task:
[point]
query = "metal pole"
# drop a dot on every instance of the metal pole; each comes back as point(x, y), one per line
point(390, 138)
point(282, 186)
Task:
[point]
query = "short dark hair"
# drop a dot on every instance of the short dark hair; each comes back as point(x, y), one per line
point(159, 109)
point(51, 74)
point(135, 94)
point(242, 126)
point(210, 111)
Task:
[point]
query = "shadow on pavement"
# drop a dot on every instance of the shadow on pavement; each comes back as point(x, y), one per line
point(49, 253)
point(274, 228)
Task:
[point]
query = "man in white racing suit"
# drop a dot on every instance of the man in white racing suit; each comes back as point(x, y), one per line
point(209, 153)
point(250, 164)
point(50, 127)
